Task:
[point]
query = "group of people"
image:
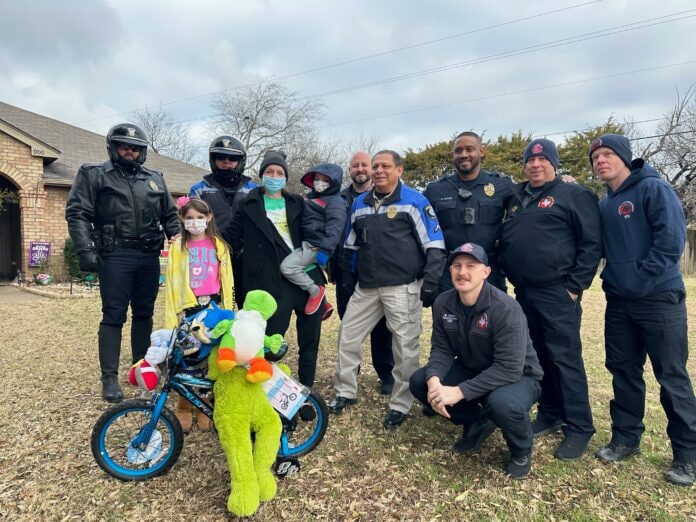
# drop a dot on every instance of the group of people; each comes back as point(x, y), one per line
point(392, 251)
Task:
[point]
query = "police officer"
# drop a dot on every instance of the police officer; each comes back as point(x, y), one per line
point(400, 256)
point(643, 235)
point(118, 212)
point(470, 204)
point(483, 371)
point(360, 173)
point(223, 190)
point(550, 249)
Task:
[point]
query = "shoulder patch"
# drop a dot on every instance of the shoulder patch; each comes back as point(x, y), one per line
point(430, 212)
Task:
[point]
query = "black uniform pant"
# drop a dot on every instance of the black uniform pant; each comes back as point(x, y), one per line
point(508, 406)
point(554, 326)
point(654, 326)
point(380, 337)
point(308, 328)
point(127, 277)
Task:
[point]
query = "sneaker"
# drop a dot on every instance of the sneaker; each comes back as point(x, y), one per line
point(473, 438)
point(571, 448)
point(111, 391)
point(542, 426)
point(386, 388)
point(681, 473)
point(519, 467)
point(314, 303)
point(327, 311)
point(394, 419)
point(614, 452)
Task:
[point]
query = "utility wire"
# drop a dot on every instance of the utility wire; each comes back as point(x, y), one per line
point(354, 60)
point(649, 22)
point(505, 94)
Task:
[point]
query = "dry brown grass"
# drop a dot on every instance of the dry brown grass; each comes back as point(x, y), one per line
point(50, 401)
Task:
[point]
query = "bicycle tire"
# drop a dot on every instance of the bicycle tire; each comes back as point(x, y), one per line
point(122, 423)
point(302, 447)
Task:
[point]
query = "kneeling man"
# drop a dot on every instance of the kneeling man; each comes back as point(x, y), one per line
point(483, 371)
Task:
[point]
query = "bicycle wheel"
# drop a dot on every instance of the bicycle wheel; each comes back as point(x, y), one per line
point(305, 430)
point(119, 427)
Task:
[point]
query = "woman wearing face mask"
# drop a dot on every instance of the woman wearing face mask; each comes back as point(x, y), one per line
point(199, 271)
point(266, 228)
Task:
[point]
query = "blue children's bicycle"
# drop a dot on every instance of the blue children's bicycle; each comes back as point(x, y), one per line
point(141, 438)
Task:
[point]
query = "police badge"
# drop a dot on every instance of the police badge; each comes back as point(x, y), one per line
point(489, 190)
point(154, 186)
point(225, 142)
point(391, 212)
point(131, 132)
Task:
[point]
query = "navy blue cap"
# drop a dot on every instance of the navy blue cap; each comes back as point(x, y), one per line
point(542, 147)
point(469, 249)
point(616, 142)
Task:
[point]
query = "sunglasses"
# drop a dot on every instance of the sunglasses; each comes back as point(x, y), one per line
point(126, 146)
point(225, 157)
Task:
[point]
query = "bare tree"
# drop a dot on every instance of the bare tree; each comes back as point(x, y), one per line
point(267, 116)
point(673, 152)
point(167, 136)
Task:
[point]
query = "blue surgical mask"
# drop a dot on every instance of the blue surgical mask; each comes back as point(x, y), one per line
point(273, 185)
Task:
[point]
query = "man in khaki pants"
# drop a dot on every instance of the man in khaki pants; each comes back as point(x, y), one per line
point(395, 242)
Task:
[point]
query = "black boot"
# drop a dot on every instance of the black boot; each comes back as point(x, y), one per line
point(140, 338)
point(109, 352)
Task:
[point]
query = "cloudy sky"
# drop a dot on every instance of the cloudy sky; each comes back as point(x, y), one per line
point(411, 72)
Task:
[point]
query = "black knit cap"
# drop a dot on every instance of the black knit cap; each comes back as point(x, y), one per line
point(274, 157)
point(616, 142)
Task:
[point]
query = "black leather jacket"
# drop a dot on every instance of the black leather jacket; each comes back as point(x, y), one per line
point(106, 199)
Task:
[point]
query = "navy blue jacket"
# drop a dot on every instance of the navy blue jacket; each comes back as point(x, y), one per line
point(477, 219)
point(397, 243)
point(223, 201)
point(552, 237)
point(644, 233)
point(324, 217)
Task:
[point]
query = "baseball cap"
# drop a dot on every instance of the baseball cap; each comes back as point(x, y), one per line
point(469, 249)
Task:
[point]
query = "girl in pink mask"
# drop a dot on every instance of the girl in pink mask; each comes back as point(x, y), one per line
point(199, 271)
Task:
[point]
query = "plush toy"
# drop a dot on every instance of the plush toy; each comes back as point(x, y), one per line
point(242, 339)
point(242, 407)
point(144, 373)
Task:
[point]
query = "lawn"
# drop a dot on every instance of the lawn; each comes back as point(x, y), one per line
point(50, 401)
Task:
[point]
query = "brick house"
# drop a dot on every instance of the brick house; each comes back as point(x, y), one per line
point(39, 158)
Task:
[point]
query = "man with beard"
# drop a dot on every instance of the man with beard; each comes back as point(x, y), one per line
point(470, 204)
point(360, 173)
point(223, 190)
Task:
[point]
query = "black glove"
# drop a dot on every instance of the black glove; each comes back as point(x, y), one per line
point(428, 294)
point(89, 261)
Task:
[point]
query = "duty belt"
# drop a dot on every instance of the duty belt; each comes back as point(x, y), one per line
point(129, 243)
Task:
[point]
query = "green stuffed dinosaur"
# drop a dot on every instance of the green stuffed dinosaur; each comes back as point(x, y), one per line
point(242, 407)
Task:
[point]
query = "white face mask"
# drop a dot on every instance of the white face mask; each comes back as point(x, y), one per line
point(195, 226)
point(320, 185)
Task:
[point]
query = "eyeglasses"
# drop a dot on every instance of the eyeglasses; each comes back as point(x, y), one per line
point(127, 146)
point(464, 194)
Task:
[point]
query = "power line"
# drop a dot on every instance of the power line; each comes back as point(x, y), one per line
point(505, 94)
point(545, 134)
point(662, 135)
point(649, 22)
point(356, 60)
point(516, 52)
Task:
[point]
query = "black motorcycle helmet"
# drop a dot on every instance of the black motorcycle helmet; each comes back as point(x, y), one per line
point(227, 146)
point(130, 134)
